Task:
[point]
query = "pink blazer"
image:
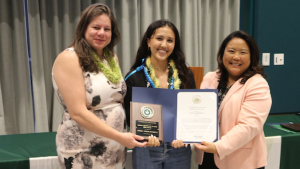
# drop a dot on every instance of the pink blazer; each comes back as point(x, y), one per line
point(242, 114)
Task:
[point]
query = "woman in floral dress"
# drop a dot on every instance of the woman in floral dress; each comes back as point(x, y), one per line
point(89, 85)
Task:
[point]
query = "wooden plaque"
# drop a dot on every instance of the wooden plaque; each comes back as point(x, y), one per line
point(146, 120)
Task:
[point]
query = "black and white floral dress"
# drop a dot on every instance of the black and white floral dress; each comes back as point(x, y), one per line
point(79, 148)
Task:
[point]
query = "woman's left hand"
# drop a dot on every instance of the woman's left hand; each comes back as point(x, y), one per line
point(178, 144)
point(208, 147)
point(153, 141)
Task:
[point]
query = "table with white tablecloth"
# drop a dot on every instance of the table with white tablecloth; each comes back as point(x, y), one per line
point(38, 150)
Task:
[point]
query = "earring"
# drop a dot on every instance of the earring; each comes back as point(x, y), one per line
point(149, 48)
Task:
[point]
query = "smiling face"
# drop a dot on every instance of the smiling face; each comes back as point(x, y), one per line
point(236, 58)
point(161, 44)
point(98, 33)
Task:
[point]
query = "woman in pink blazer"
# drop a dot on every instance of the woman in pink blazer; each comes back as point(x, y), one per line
point(244, 104)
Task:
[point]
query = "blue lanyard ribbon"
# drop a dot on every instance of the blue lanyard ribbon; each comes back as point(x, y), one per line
point(136, 70)
point(142, 67)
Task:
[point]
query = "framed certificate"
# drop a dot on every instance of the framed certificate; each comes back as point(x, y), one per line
point(196, 116)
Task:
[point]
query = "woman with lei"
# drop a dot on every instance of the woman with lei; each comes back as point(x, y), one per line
point(89, 85)
point(160, 63)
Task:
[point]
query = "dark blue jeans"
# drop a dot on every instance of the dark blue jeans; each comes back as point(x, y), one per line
point(162, 157)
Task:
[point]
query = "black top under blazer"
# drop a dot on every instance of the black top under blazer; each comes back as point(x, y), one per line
point(138, 79)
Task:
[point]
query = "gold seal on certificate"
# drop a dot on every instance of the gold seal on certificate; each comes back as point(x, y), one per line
point(197, 99)
point(146, 120)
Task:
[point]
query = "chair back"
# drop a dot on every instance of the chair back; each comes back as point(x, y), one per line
point(198, 75)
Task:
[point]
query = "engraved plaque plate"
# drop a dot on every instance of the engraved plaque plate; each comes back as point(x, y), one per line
point(147, 128)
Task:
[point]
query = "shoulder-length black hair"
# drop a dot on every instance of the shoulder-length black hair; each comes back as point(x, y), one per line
point(177, 55)
point(254, 68)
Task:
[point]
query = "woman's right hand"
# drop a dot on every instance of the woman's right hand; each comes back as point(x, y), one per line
point(208, 147)
point(130, 140)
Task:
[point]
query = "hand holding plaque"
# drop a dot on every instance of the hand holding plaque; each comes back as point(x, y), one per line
point(146, 120)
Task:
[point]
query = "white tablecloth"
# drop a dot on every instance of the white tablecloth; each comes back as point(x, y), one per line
point(273, 150)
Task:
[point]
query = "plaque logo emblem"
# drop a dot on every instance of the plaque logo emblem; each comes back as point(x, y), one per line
point(197, 99)
point(147, 112)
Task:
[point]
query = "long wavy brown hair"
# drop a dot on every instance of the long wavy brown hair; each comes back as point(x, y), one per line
point(254, 68)
point(82, 48)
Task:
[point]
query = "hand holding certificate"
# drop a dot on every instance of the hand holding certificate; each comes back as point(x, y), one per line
point(187, 114)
